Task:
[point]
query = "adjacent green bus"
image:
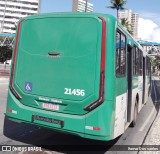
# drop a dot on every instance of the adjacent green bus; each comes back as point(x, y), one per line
point(78, 73)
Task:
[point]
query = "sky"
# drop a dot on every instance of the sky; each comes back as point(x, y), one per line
point(149, 12)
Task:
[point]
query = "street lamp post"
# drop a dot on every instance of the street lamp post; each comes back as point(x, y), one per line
point(86, 5)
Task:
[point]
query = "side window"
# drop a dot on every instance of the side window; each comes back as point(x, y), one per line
point(137, 61)
point(134, 60)
point(120, 54)
point(118, 38)
point(148, 66)
point(140, 62)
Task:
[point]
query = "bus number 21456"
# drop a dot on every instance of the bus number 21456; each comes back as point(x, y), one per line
point(77, 92)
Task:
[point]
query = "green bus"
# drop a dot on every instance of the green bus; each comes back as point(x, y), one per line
point(79, 73)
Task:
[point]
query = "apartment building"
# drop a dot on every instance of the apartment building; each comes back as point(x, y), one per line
point(80, 6)
point(132, 20)
point(12, 10)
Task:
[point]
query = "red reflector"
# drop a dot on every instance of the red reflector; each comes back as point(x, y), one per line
point(96, 128)
point(9, 110)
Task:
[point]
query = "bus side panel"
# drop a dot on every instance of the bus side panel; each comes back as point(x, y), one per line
point(110, 84)
point(140, 92)
point(120, 114)
point(120, 98)
point(103, 118)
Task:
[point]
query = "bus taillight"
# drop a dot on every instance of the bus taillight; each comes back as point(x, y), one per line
point(14, 63)
point(93, 128)
point(12, 111)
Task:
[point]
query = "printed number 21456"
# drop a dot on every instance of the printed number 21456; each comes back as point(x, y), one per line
point(77, 92)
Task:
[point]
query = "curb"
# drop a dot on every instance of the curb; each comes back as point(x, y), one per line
point(151, 139)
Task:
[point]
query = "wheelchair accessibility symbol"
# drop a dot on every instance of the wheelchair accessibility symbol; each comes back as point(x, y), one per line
point(28, 86)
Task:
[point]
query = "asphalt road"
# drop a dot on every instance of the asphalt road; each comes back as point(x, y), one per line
point(24, 134)
point(4, 67)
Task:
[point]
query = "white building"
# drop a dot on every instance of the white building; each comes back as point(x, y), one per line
point(134, 25)
point(80, 6)
point(12, 10)
point(133, 19)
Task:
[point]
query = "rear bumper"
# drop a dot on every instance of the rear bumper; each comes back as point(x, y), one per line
point(75, 124)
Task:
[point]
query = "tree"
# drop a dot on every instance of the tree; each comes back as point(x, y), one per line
point(5, 53)
point(118, 5)
point(125, 23)
point(155, 60)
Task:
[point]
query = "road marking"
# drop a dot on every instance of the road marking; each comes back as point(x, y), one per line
point(4, 83)
point(1, 78)
point(147, 120)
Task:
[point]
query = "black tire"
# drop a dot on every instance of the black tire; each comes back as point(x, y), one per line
point(133, 123)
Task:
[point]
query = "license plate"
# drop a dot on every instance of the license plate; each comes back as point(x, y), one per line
point(50, 120)
point(50, 106)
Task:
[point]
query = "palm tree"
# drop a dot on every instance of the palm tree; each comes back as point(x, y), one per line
point(118, 5)
point(155, 60)
point(125, 23)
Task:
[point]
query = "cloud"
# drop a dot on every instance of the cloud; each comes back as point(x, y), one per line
point(148, 30)
point(155, 17)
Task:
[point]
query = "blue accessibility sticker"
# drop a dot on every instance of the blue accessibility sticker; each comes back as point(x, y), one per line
point(28, 86)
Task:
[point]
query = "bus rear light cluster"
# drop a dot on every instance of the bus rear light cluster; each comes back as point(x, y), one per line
point(100, 100)
point(14, 63)
point(92, 128)
point(12, 111)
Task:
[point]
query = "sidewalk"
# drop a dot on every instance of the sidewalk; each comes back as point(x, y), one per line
point(153, 137)
point(155, 77)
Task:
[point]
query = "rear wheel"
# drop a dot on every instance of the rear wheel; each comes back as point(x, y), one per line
point(133, 123)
